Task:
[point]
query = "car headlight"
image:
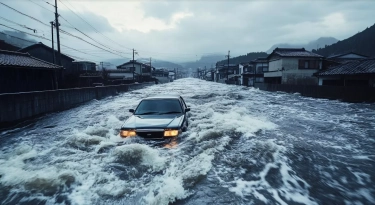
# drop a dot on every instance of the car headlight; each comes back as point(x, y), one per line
point(127, 133)
point(170, 133)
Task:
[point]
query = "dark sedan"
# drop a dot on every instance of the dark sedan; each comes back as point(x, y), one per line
point(157, 118)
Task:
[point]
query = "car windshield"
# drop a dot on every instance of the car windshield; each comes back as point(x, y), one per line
point(159, 106)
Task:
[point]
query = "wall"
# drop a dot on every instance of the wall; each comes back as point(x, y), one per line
point(290, 64)
point(299, 77)
point(347, 94)
point(17, 107)
point(275, 65)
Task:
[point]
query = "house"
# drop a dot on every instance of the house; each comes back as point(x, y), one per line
point(292, 66)
point(21, 72)
point(254, 71)
point(46, 53)
point(346, 57)
point(140, 70)
point(230, 74)
point(354, 73)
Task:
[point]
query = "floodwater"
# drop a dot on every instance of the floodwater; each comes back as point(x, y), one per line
point(243, 146)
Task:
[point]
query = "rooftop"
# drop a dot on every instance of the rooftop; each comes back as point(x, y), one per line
point(347, 53)
point(40, 44)
point(16, 59)
point(365, 66)
point(294, 52)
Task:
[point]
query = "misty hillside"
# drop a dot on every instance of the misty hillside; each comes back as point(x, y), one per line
point(207, 61)
point(244, 58)
point(15, 38)
point(319, 43)
point(362, 43)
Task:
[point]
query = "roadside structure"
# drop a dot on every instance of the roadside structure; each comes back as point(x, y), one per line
point(353, 73)
point(292, 66)
point(21, 72)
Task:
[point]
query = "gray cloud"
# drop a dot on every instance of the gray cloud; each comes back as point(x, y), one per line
point(218, 26)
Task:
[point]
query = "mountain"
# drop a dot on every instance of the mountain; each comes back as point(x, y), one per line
point(362, 43)
point(319, 43)
point(244, 58)
point(17, 39)
point(207, 61)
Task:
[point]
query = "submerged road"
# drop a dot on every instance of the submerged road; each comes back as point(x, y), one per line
point(243, 146)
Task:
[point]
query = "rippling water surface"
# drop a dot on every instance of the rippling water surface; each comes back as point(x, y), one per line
point(243, 146)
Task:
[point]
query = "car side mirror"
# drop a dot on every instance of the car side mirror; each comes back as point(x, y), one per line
point(131, 110)
point(187, 109)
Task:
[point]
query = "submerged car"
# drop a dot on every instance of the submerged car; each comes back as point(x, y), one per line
point(158, 117)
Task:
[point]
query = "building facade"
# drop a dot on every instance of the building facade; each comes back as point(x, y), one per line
point(292, 66)
point(20, 72)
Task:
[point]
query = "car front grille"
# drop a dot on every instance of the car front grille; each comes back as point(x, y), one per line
point(151, 134)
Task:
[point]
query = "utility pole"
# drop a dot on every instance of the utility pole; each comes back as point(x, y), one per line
point(57, 33)
point(133, 65)
point(53, 46)
point(228, 64)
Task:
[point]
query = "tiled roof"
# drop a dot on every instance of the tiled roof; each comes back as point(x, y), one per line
point(16, 59)
point(294, 52)
point(366, 66)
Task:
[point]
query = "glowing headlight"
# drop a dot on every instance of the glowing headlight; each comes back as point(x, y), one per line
point(127, 133)
point(170, 133)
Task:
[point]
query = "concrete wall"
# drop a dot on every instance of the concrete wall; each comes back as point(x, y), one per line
point(16, 107)
point(299, 77)
point(347, 94)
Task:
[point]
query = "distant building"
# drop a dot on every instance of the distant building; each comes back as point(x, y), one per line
point(353, 73)
point(254, 71)
point(229, 74)
point(141, 71)
point(21, 72)
point(292, 66)
point(83, 66)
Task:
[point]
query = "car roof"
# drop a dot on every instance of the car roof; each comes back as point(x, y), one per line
point(163, 97)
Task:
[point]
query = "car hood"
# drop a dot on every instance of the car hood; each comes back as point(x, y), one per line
point(153, 121)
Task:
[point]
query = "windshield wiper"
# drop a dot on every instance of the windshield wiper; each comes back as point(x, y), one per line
point(147, 113)
point(171, 112)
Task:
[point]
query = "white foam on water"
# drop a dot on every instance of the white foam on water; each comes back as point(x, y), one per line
point(291, 188)
point(85, 148)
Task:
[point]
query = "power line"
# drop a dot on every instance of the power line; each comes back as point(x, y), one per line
point(44, 39)
point(69, 34)
point(91, 25)
point(88, 35)
point(65, 32)
point(5, 19)
point(40, 6)
point(25, 14)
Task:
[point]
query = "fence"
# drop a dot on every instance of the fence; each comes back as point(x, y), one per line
point(344, 93)
point(17, 107)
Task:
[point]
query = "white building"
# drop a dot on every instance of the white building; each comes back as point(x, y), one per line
point(292, 66)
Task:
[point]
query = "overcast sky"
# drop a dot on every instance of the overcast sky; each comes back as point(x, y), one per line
point(185, 30)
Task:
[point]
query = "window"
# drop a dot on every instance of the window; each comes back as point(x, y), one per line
point(159, 106)
point(306, 64)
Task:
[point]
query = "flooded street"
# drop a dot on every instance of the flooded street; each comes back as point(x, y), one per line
point(243, 146)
